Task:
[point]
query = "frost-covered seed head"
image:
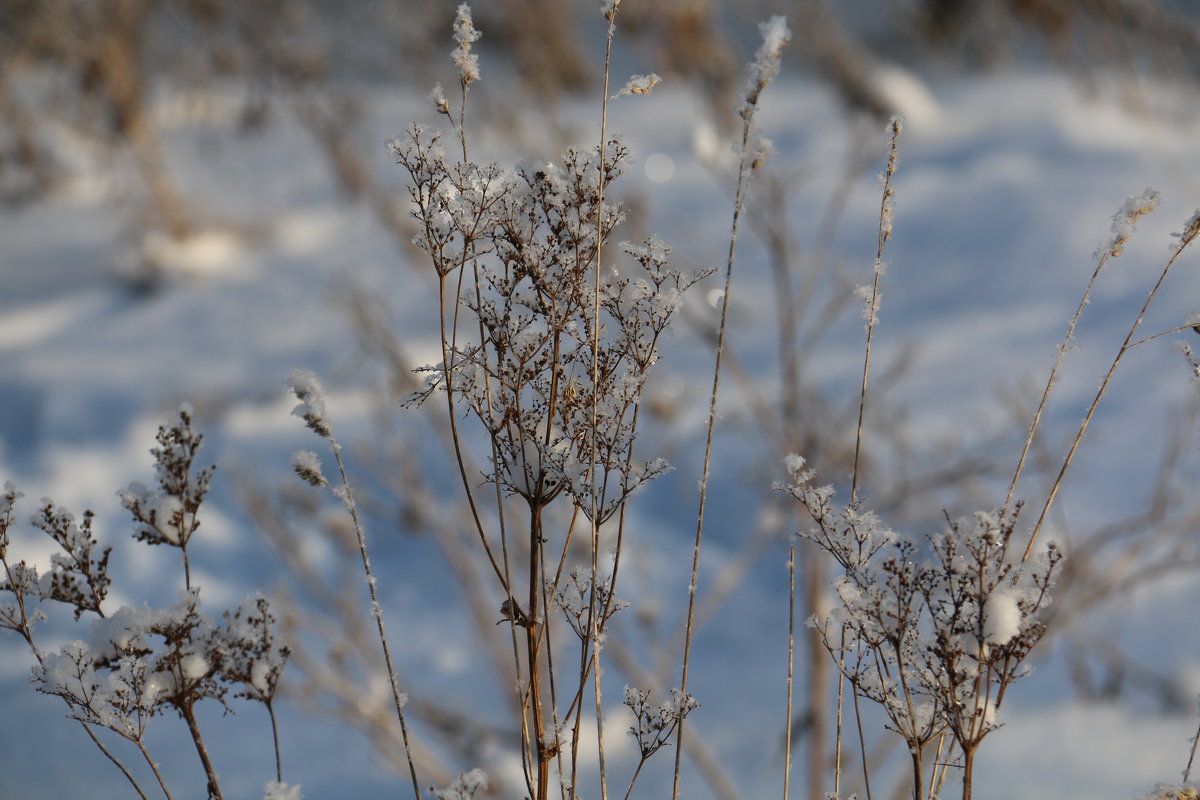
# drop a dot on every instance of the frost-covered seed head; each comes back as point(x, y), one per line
point(1125, 222)
point(440, 103)
point(308, 466)
point(639, 84)
point(1191, 229)
point(465, 34)
point(311, 394)
point(765, 67)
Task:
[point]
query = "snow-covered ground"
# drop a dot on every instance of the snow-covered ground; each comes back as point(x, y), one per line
point(1007, 186)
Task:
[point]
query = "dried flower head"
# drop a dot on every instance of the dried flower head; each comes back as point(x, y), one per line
point(465, 34)
point(308, 466)
point(440, 103)
point(1125, 222)
point(311, 394)
point(639, 84)
point(464, 787)
point(765, 66)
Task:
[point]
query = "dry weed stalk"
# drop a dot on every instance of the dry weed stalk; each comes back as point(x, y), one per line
point(752, 151)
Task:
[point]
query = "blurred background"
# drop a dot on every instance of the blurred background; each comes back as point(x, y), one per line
point(195, 198)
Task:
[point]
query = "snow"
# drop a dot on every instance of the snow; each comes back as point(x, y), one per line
point(282, 791)
point(1001, 616)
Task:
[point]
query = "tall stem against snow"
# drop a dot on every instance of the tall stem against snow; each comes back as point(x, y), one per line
point(309, 391)
point(610, 13)
point(533, 630)
point(1123, 227)
point(346, 495)
point(791, 650)
point(1190, 233)
point(886, 214)
point(189, 716)
point(753, 151)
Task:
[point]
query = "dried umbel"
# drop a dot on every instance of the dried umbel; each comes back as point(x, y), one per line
point(934, 632)
point(558, 370)
point(137, 663)
point(169, 513)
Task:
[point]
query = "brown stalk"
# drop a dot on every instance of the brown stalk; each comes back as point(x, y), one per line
point(1186, 238)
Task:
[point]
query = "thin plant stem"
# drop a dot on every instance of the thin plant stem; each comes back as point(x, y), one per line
point(816, 578)
point(862, 743)
point(346, 495)
point(885, 233)
point(1190, 234)
point(1058, 360)
point(187, 572)
point(448, 365)
point(153, 768)
point(1107, 254)
point(743, 183)
point(1187, 770)
point(275, 741)
point(462, 118)
point(592, 445)
point(117, 763)
point(787, 735)
point(841, 696)
point(1176, 329)
point(934, 782)
point(506, 575)
point(214, 788)
point(532, 654)
point(633, 780)
point(968, 772)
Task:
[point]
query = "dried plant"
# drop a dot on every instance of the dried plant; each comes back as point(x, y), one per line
point(139, 663)
point(549, 334)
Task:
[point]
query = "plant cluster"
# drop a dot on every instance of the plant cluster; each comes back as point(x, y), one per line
point(933, 631)
point(547, 349)
point(138, 663)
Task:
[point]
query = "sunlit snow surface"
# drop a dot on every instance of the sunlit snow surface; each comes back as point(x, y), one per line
point(1007, 185)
